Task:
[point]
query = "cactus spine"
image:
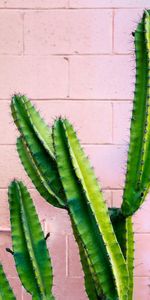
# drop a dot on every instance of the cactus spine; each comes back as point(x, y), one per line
point(61, 172)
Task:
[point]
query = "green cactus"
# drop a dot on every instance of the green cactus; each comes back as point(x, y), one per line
point(29, 246)
point(61, 172)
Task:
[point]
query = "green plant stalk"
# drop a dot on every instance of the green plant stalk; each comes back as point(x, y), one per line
point(92, 288)
point(130, 255)
point(145, 168)
point(123, 228)
point(67, 148)
point(137, 176)
point(29, 246)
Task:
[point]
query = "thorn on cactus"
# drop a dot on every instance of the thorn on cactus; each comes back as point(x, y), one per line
point(47, 236)
point(9, 251)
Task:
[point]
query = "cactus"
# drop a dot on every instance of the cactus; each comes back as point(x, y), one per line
point(61, 172)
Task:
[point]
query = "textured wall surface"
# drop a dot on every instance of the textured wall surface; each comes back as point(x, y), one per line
point(73, 58)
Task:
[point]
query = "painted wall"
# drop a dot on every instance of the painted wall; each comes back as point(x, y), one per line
point(73, 58)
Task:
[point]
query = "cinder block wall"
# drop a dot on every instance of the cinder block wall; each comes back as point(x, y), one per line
point(73, 58)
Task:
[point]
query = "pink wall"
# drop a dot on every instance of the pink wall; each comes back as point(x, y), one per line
point(73, 58)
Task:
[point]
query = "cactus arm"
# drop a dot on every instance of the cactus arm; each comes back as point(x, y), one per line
point(35, 243)
point(36, 176)
point(94, 245)
point(81, 213)
point(130, 254)
point(21, 255)
point(44, 161)
point(5, 289)
point(145, 168)
point(86, 176)
point(33, 118)
point(133, 192)
point(119, 226)
point(123, 228)
point(91, 285)
point(29, 246)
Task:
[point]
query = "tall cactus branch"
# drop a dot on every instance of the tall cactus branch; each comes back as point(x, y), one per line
point(75, 172)
point(137, 176)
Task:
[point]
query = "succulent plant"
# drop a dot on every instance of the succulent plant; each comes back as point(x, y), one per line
point(60, 170)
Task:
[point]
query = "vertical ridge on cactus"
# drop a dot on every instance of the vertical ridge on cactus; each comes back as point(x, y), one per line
point(29, 246)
